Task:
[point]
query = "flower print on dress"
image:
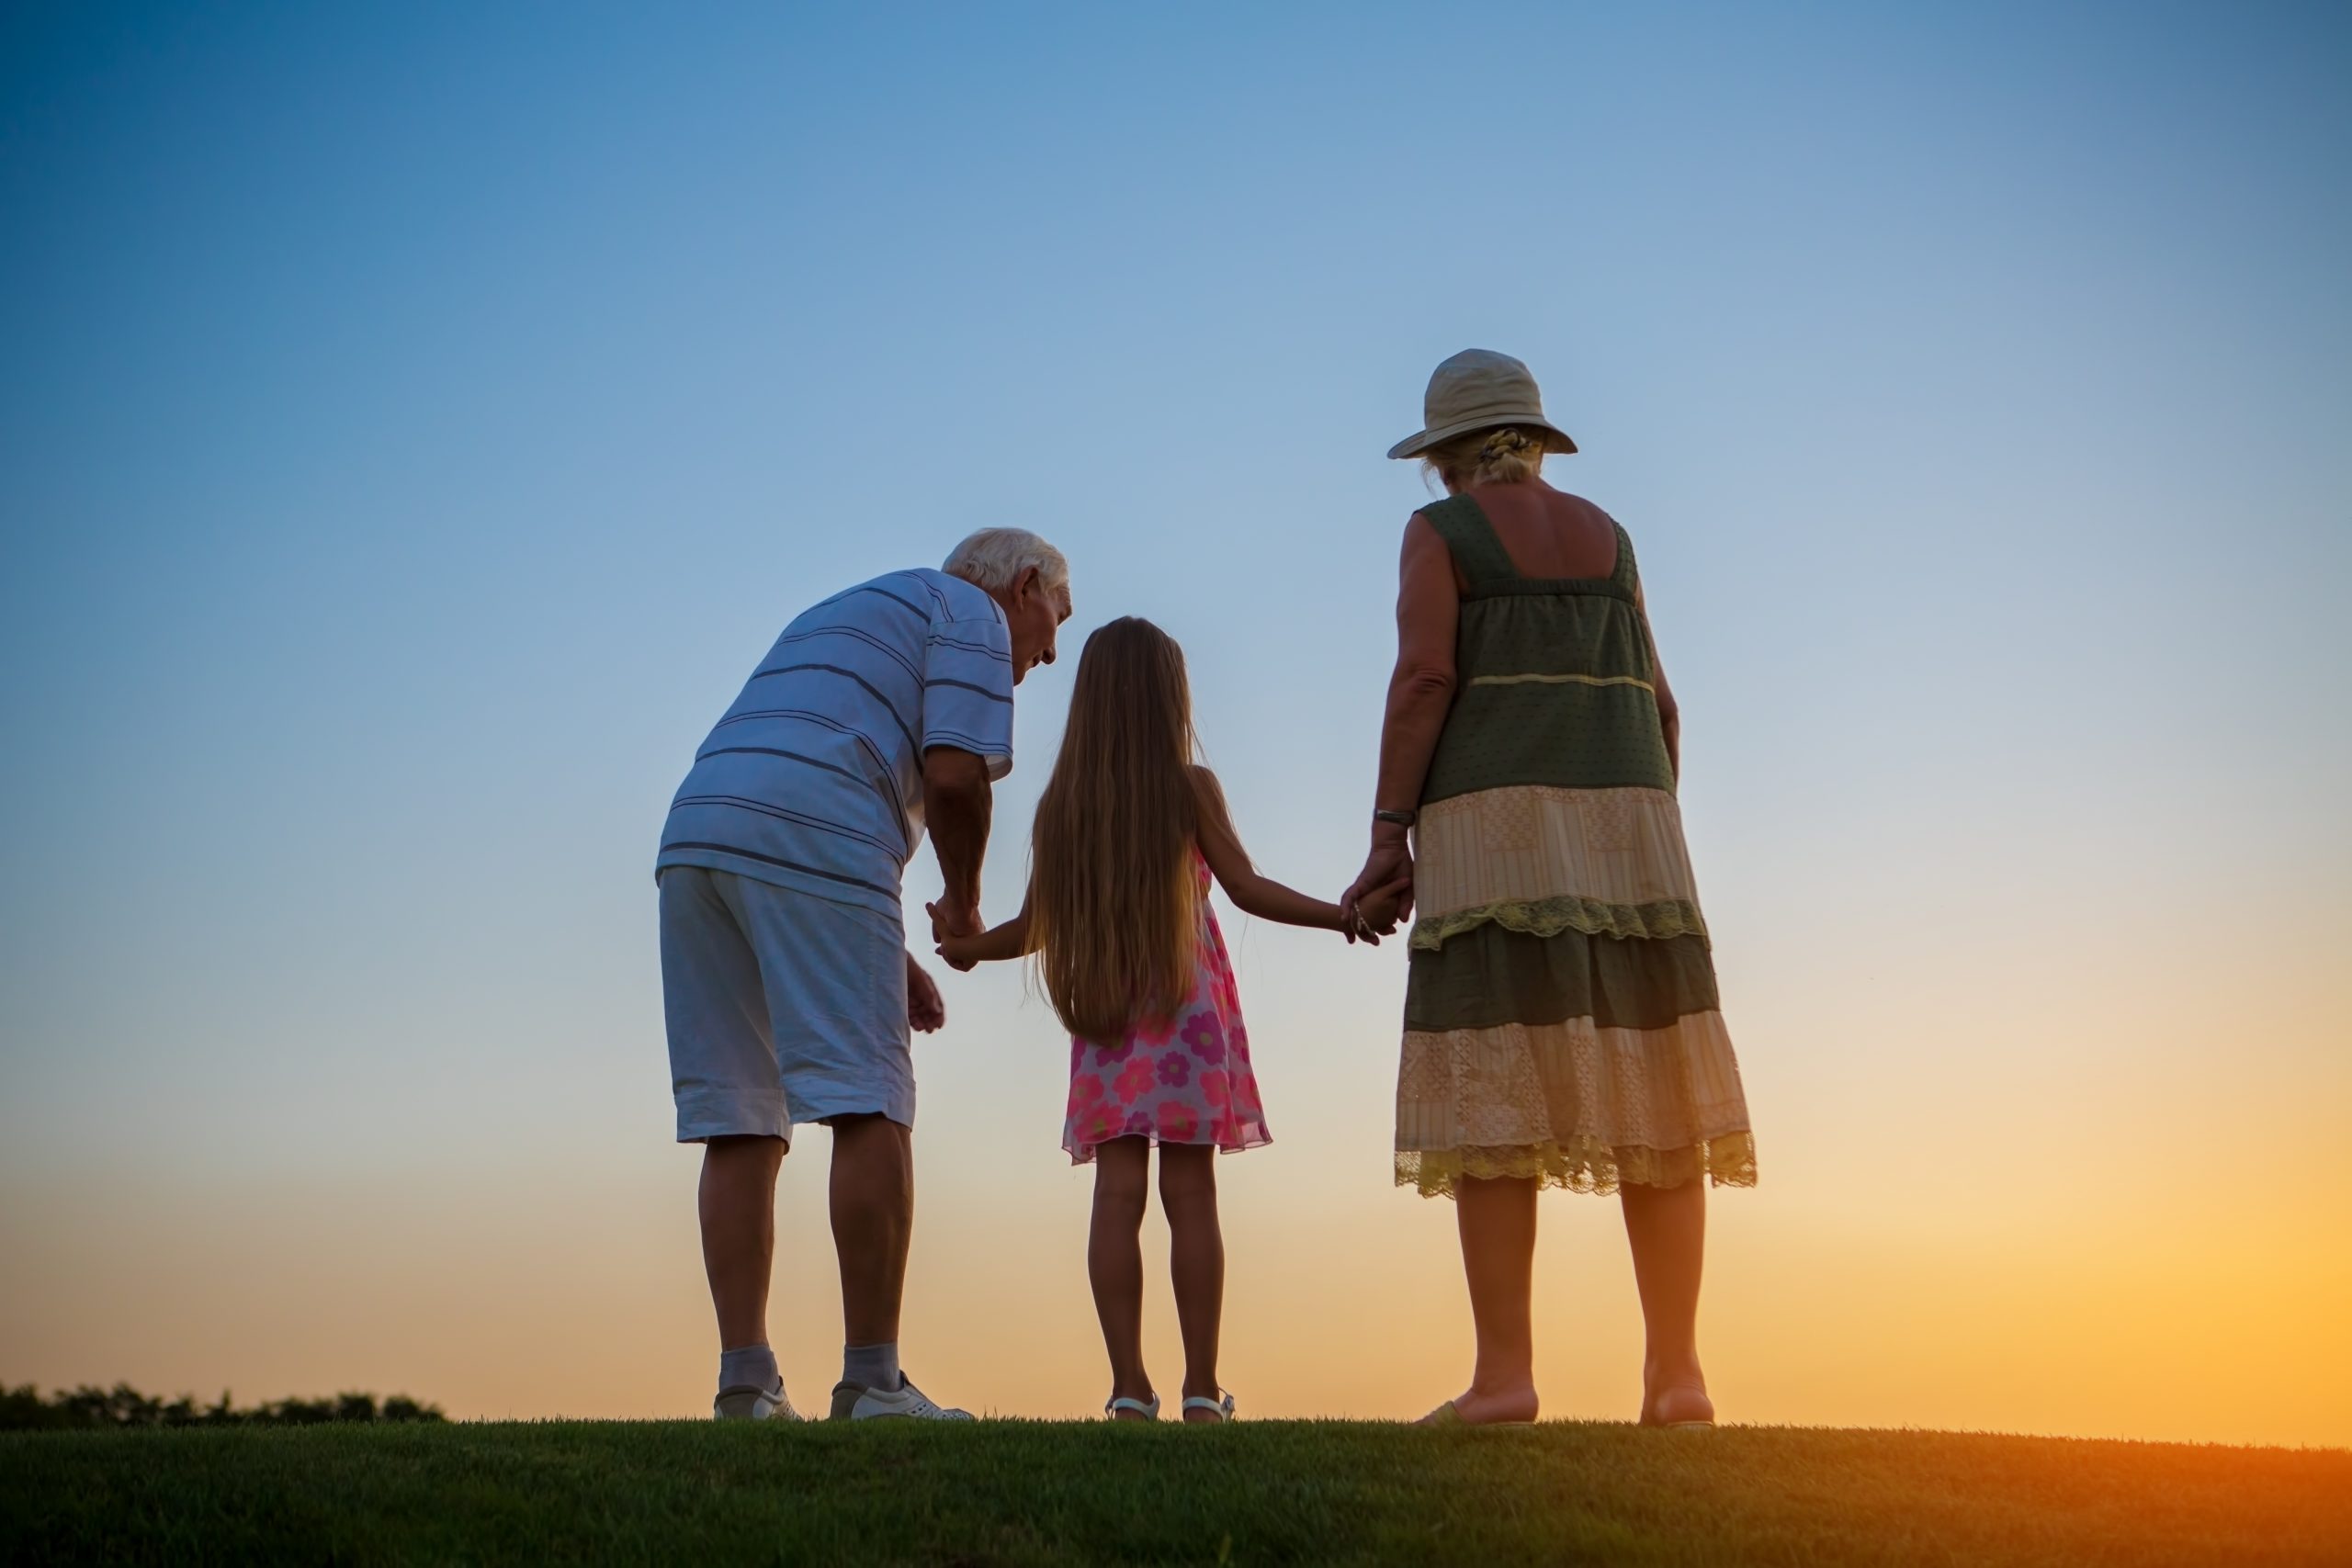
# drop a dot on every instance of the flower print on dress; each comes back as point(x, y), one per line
point(1205, 1036)
point(1096, 1126)
point(1135, 1081)
point(1184, 1079)
point(1245, 1097)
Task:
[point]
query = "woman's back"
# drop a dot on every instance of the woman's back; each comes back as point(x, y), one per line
point(1546, 532)
point(1554, 673)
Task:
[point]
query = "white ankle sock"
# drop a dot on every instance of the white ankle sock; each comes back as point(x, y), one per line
point(872, 1366)
point(753, 1366)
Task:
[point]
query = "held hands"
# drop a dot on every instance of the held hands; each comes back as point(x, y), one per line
point(1381, 894)
point(1375, 913)
point(956, 926)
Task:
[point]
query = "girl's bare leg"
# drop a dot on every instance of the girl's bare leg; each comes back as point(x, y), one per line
point(1667, 1228)
point(1114, 1262)
point(1195, 1262)
point(1496, 1219)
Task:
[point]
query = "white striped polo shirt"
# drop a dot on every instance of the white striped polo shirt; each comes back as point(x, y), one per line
point(813, 780)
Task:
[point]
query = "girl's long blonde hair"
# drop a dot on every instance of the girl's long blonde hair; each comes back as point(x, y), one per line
point(1113, 901)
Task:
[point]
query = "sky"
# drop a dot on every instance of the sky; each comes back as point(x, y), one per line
point(416, 422)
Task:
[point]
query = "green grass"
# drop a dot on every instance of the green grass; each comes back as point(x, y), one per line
point(1260, 1492)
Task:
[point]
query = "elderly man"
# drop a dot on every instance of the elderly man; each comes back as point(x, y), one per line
point(786, 983)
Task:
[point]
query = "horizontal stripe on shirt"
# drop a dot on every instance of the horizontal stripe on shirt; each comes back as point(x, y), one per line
point(813, 777)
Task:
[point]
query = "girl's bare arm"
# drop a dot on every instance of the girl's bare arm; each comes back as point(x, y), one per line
point(1253, 893)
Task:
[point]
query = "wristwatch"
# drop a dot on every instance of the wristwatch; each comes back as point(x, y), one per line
point(1401, 818)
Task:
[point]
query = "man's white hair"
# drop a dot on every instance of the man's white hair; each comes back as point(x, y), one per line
point(994, 558)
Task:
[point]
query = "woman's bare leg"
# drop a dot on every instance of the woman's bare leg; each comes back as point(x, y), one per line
point(1195, 1262)
point(1667, 1229)
point(1114, 1262)
point(1496, 1219)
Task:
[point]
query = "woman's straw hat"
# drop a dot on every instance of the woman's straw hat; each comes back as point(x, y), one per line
point(1478, 389)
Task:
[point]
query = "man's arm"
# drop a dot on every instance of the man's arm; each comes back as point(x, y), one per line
point(957, 803)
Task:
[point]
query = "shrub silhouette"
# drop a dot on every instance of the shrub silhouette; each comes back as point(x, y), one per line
point(22, 1409)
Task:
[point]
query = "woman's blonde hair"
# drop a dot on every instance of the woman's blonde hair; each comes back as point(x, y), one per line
point(1113, 902)
point(1502, 455)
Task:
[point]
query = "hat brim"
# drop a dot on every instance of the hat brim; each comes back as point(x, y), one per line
point(1554, 438)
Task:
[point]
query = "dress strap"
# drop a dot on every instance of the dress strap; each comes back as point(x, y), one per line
point(1477, 550)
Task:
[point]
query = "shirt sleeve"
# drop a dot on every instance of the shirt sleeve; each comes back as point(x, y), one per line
point(967, 691)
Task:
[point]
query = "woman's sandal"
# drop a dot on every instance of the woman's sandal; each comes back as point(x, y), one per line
point(1221, 1406)
point(1147, 1408)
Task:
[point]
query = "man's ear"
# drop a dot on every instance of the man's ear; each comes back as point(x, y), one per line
point(1026, 583)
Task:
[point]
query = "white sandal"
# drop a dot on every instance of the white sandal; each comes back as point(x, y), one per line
point(1148, 1409)
point(1221, 1406)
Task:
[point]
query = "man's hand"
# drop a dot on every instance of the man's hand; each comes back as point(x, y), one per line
point(950, 917)
point(925, 1010)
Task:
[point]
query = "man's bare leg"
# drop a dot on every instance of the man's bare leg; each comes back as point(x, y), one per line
point(873, 1201)
point(737, 1201)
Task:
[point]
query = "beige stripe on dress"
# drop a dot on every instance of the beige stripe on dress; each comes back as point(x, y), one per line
point(1532, 842)
point(1525, 1085)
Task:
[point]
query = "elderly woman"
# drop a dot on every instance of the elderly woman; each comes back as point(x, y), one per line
point(1560, 1018)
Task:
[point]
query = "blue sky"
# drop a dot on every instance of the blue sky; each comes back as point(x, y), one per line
point(418, 420)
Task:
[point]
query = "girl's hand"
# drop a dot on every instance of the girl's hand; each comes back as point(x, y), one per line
point(965, 949)
point(925, 1010)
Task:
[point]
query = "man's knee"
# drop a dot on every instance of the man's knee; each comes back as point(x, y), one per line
point(743, 1152)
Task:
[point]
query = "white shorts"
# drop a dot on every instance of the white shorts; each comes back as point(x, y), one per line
point(782, 1006)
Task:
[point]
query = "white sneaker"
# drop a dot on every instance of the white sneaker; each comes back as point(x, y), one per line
point(750, 1404)
point(856, 1402)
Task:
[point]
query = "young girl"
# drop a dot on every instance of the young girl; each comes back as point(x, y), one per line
point(1127, 835)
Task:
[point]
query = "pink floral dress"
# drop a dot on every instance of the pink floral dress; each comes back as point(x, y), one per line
point(1179, 1080)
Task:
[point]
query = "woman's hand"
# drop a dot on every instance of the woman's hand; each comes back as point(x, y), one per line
point(925, 1010)
point(1384, 889)
point(1376, 912)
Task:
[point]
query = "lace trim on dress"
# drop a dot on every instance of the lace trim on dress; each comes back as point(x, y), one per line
point(1581, 1165)
point(1659, 921)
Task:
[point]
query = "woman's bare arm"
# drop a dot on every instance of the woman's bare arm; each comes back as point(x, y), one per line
point(1421, 694)
point(1420, 689)
point(1253, 893)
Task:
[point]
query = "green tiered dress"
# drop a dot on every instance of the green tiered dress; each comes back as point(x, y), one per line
point(1560, 1018)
